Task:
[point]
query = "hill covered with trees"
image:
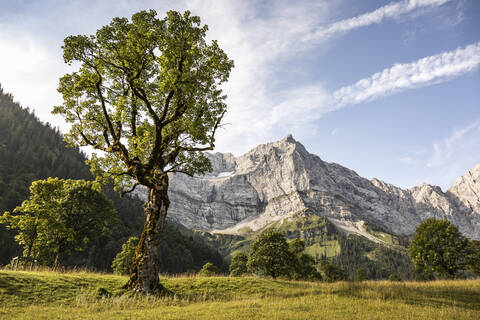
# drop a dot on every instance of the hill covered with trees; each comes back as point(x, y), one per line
point(31, 150)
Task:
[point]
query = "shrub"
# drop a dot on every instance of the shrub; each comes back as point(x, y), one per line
point(438, 249)
point(394, 277)
point(208, 269)
point(270, 255)
point(331, 272)
point(361, 274)
point(123, 260)
point(238, 266)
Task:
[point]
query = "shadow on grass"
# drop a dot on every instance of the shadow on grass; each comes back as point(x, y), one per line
point(228, 288)
point(18, 289)
point(420, 295)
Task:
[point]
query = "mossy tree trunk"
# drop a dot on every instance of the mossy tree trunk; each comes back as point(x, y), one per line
point(146, 263)
point(59, 256)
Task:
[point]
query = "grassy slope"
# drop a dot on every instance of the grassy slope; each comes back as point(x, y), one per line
point(48, 295)
point(324, 241)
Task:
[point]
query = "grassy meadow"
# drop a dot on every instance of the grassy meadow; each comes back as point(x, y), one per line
point(82, 295)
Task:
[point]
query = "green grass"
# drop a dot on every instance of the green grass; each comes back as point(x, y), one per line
point(49, 295)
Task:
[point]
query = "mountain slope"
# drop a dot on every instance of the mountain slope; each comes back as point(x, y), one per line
point(281, 180)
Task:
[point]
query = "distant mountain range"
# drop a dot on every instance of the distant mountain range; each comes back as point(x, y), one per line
point(281, 181)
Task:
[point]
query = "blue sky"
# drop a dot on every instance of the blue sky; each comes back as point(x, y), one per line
point(388, 89)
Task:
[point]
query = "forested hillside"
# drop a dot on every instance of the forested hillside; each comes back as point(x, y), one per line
point(31, 150)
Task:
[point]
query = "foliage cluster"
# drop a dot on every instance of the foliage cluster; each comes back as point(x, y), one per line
point(331, 272)
point(272, 256)
point(147, 95)
point(238, 266)
point(60, 216)
point(123, 260)
point(439, 250)
point(208, 269)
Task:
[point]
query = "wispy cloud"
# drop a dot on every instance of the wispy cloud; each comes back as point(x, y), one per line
point(257, 39)
point(377, 16)
point(309, 103)
point(446, 159)
point(426, 71)
point(463, 145)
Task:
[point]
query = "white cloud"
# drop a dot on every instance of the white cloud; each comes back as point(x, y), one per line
point(426, 71)
point(29, 72)
point(461, 147)
point(258, 40)
point(377, 16)
point(407, 160)
point(446, 159)
point(300, 107)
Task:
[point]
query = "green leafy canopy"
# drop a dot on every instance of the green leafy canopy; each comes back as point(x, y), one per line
point(60, 216)
point(270, 255)
point(438, 248)
point(147, 96)
point(123, 260)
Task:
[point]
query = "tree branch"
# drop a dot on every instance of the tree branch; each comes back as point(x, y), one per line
point(212, 137)
point(104, 108)
point(129, 190)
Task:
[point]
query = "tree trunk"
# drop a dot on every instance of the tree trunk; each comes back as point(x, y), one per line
point(58, 258)
point(146, 263)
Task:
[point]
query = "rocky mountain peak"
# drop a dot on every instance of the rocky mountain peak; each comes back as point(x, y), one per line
point(466, 190)
point(426, 188)
point(281, 153)
point(280, 180)
point(289, 138)
point(472, 177)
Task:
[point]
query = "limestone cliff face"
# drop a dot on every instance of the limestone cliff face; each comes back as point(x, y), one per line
point(280, 180)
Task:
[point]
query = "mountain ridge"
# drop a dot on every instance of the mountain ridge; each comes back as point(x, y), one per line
point(279, 180)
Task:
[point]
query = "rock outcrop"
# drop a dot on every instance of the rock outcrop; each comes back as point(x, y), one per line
point(281, 180)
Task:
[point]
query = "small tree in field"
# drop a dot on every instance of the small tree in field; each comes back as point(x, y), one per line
point(361, 275)
point(208, 269)
point(123, 260)
point(60, 216)
point(147, 96)
point(331, 272)
point(270, 255)
point(473, 257)
point(238, 266)
point(438, 248)
point(303, 265)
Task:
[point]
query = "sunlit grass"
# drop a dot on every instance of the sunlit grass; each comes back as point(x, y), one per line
point(79, 295)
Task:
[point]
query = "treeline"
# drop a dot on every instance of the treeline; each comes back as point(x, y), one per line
point(378, 260)
point(31, 150)
point(438, 250)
